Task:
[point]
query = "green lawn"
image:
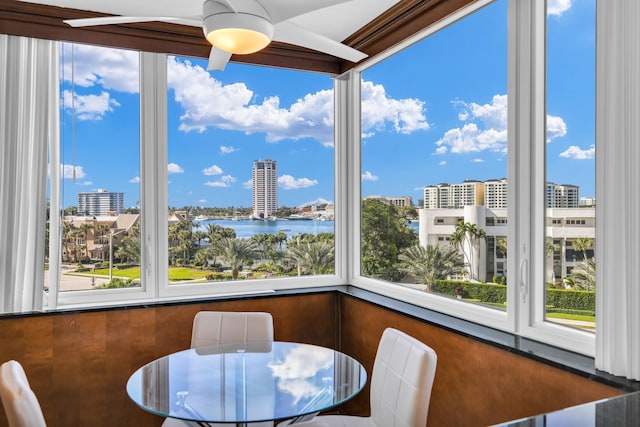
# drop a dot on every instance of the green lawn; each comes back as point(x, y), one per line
point(175, 273)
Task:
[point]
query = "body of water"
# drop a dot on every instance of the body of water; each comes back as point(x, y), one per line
point(249, 228)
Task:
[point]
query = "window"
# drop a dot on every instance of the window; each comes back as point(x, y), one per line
point(570, 159)
point(456, 165)
point(213, 152)
point(516, 252)
point(250, 173)
point(100, 168)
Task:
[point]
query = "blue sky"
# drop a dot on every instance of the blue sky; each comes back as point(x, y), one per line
point(434, 113)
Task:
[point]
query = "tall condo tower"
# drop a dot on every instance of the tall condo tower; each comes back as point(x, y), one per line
point(265, 188)
point(100, 203)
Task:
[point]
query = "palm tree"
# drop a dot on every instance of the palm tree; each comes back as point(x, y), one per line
point(235, 252)
point(431, 263)
point(85, 227)
point(467, 238)
point(584, 274)
point(313, 257)
point(68, 239)
point(582, 244)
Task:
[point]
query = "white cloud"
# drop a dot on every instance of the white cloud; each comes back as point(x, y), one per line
point(135, 180)
point(575, 152)
point(406, 115)
point(174, 168)
point(224, 182)
point(67, 172)
point(116, 69)
point(212, 170)
point(442, 163)
point(441, 150)
point(226, 149)
point(288, 182)
point(216, 184)
point(248, 184)
point(556, 127)
point(368, 176)
point(202, 201)
point(89, 107)
point(485, 128)
point(311, 116)
point(558, 7)
point(477, 160)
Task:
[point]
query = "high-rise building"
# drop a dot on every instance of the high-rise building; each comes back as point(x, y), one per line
point(393, 200)
point(265, 188)
point(495, 193)
point(492, 194)
point(441, 196)
point(100, 203)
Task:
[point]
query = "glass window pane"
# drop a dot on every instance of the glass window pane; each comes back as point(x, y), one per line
point(100, 156)
point(434, 124)
point(570, 164)
point(251, 175)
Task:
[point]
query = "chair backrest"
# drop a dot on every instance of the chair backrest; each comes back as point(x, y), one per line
point(401, 381)
point(20, 402)
point(226, 327)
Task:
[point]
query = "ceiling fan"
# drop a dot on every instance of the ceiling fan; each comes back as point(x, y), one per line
point(247, 26)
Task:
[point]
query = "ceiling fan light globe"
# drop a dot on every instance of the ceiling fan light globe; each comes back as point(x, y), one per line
point(238, 33)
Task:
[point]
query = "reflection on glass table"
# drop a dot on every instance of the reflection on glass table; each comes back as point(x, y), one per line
point(248, 382)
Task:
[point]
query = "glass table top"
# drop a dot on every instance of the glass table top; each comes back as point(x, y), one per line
point(249, 382)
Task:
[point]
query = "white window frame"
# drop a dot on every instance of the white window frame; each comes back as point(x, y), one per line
point(154, 218)
point(526, 200)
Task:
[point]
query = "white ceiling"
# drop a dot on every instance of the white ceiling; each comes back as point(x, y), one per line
point(336, 22)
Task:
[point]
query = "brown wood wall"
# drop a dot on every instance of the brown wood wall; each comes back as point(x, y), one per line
point(78, 363)
point(476, 384)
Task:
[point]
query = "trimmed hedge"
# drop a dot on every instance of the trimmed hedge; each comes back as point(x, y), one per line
point(484, 292)
point(558, 300)
point(570, 299)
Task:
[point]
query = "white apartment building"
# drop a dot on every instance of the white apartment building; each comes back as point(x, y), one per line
point(562, 196)
point(265, 188)
point(100, 203)
point(495, 193)
point(395, 201)
point(563, 227)
point(492, 194)
point(468, 193)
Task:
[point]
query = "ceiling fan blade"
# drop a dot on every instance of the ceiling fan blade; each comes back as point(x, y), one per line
point(218, 59)
point(110, 20)
point(288, 32)
point(279, 10)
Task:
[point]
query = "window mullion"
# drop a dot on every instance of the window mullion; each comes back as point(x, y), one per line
point(153, 136)
point(347, 149)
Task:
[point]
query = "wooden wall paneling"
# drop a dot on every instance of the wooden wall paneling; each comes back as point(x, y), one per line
point(78, 363)
point(476, 384)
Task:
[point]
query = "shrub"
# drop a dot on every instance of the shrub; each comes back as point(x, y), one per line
point(483, 292)
point(571, 299)
point(120, 283)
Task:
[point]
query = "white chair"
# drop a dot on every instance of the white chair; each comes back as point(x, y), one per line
point(401, 382)
point(227, 327)
point(20, 402)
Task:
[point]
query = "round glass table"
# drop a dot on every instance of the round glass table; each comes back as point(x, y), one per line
point(248, 382)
